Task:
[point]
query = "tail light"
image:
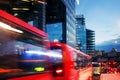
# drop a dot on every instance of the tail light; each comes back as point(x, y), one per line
point(58, 71)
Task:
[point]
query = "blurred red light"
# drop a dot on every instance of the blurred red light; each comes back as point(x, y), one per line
point(59, 71)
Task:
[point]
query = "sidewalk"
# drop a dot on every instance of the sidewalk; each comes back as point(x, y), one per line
point(110, 77)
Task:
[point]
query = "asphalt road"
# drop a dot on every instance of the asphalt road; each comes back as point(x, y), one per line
point(107, 76)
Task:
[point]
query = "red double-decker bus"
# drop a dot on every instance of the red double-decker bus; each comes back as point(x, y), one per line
point(72, 64)
point(23, 50)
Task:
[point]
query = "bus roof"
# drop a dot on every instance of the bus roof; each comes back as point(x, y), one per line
point(63, 44)
point(21, 23)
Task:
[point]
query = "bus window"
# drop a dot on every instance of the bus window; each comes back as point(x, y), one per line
point(22, 52)
point(79, 60)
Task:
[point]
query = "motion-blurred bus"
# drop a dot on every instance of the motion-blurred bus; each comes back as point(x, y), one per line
point(72, 64)
point(23, 50)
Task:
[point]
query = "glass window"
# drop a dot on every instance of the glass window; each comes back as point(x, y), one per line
point(52, 31)
point(81, 61)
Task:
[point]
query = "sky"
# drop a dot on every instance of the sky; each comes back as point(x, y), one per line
point(102, 16)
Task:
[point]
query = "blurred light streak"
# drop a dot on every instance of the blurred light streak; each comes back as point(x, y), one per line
point(49, 53)
point(6, 26)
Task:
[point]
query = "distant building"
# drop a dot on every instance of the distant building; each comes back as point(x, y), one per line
point(60, 21)
point(90, 41)
point(80, 33)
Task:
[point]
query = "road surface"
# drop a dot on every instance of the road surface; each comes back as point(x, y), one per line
point(110, 77)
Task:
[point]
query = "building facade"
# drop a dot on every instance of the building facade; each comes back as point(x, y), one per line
point(62, 12)
point(81, 33)
point(70, 22)
point(90, 41)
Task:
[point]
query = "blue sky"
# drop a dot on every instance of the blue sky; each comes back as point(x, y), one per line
point(102, 16)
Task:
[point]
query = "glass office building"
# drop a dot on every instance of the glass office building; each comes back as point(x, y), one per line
point(62, 11)
point(70, 22)
point(80, 33)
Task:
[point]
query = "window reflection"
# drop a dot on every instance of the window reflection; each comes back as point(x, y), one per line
point(81, 61)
